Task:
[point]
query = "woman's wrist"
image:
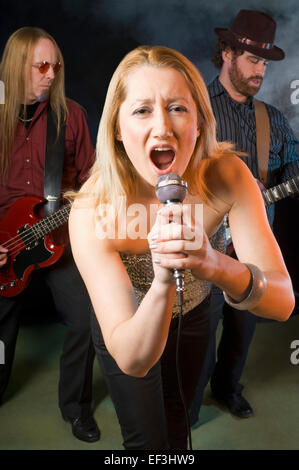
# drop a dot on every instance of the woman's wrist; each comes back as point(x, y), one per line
point(256, 291)
point(162, 288)
point(232, 276)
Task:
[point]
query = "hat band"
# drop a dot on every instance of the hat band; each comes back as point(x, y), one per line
point(249, 42)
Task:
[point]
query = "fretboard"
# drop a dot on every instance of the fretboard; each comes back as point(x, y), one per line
point(49, 223)
point(281, 191)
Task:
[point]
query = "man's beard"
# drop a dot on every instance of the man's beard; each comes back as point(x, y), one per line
point(240, 83)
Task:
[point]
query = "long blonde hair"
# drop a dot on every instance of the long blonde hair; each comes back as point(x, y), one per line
point(14, 73)
point(113, 173)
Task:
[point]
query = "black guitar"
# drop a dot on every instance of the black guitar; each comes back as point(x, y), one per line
point(271, 195)
point(281, 191)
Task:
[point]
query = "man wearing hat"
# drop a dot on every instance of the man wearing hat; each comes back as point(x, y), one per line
point(243, 52)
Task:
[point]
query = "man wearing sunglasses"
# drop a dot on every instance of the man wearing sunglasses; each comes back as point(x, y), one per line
point(33, 73)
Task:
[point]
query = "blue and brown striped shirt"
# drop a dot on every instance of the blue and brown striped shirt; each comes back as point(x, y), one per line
point(236, 123)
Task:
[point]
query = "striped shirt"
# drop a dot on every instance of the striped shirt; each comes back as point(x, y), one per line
point(236, 123)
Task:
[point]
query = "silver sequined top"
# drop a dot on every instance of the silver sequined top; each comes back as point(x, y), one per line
point(140, 270)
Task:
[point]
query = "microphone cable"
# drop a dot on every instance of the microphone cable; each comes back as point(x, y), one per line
point(179, 378)
point(172, 189)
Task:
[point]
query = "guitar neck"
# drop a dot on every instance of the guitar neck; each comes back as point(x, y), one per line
point(281, 191)
point(51, 222)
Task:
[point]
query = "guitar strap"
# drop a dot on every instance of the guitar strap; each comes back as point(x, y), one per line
point(262, 124)
point(54, 159)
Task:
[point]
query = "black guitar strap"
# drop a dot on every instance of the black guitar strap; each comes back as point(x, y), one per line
point(54, 159)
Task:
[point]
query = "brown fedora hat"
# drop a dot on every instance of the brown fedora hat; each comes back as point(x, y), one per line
point(252, 31)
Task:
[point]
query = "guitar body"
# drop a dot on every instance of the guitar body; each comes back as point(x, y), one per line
point(28, 250)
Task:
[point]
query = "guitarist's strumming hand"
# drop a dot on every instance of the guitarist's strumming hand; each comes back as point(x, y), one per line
point(3, 256)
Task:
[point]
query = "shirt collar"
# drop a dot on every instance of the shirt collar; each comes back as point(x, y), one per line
point(41, 107)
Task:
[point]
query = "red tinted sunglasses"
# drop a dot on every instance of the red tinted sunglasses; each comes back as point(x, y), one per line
point(44, 66)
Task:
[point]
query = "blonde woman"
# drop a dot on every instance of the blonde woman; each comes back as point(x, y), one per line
point(157, 119)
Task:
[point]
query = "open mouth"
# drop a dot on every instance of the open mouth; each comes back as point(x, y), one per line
point(162, 157)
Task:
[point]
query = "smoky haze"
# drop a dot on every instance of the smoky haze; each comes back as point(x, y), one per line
point(94, 35)
point(187, 25)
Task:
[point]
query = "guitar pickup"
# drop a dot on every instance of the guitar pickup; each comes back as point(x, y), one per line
point(28, 236)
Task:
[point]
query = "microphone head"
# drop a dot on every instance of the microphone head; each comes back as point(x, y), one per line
point(171, 188)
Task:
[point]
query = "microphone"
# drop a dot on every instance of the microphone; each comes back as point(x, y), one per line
point(172, 189)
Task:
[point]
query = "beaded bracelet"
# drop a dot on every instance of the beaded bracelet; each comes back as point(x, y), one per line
point(257, 291)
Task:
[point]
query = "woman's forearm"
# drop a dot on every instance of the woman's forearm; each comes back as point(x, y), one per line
point(234, 279)
point(137, 343)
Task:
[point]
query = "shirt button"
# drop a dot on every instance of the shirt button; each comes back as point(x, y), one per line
point(27, 160)
point(27, 138)
point(28, 182)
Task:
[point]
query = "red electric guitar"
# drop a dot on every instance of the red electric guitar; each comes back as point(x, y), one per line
point(29, 242)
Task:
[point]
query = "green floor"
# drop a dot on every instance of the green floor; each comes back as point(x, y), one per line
point(30, 419)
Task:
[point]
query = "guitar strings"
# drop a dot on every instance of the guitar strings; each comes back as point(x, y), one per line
point(21, 242)
point(28, 236)
point(30, 229)
point(16, 242)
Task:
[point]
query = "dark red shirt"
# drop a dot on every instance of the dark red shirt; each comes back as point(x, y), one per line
point(26, 174)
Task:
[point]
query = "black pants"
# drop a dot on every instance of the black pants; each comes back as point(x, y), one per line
point(73, 306)
point(149, 409)
point(237, 334)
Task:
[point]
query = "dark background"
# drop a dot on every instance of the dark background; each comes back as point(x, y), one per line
point(94, 35)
